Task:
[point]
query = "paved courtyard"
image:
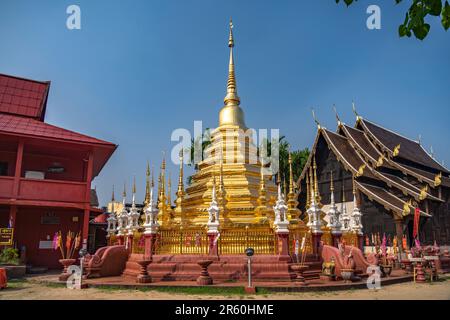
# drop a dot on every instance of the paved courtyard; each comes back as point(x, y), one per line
point(30, 289)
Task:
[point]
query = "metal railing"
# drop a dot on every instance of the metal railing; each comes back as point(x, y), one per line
point(236, 240)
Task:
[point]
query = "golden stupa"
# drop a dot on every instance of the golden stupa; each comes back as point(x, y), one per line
point(244, 194)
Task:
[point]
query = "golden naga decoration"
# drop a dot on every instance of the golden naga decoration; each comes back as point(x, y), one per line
point(438, 179)
point(361, 170)
point(396, 150)
point(407, 207)
point(423, 193)
point(380, 160)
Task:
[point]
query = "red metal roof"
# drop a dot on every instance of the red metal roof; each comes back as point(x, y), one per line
point(12, 124)
point(23, 97)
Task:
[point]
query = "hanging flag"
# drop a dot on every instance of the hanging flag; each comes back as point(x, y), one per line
point(416, 222)
point(296, 246)
point(302, 247)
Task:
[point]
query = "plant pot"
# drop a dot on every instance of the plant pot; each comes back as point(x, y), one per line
point(143, 276)
point(347, 274)
point(204, 279)
point(66, 264)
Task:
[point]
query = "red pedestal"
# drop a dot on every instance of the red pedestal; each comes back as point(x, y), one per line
point(336, 239)
point(283, 246)
point(316, 242)
point(250, 290)
point(149, 245)
point(213, 251)
point(420, 275)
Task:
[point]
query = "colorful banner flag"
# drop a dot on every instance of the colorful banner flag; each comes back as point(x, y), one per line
point(416, 222)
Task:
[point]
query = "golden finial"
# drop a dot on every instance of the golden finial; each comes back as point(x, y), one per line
point(353, 185)
point(315, 119)
point(231, 98)
point(337, 116)
point(112, 196)
point(308, 190)
point(343, 190)
point(358, 117)
point(316, 183)
point(133, 190)
point(169, 189)
point(180, 176)
point(147, 185)
point(291, 174)
point(331, 181)
point(262, 183)
point(124, 193)
point(230, 39)
point(153, 177)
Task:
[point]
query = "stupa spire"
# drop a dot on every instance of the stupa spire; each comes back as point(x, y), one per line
point(231, 98)
point(147, 185)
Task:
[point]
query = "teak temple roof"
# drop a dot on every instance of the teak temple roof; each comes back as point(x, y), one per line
point(384, 164)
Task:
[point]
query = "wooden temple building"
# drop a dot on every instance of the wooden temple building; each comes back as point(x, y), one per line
point(45, 172)
point(388, 175)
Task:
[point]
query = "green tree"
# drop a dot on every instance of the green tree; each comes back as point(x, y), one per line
point(414, 22)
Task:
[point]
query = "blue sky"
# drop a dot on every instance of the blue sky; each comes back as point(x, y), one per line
point(137, 70)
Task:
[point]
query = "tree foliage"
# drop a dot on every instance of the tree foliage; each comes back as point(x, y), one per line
point(414, 22)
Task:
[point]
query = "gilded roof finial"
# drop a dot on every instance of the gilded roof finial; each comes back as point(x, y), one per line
point(315, 119)
point(358, 117)
point(169, 190)
point(133, 190)
point(231, 98)
point(337, 116)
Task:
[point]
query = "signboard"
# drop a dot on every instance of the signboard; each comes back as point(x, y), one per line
point(6, 236)
point(44, 244)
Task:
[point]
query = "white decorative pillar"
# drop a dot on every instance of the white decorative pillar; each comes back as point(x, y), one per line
point(281, 224)
point(334, 217)
point(213, 222)
point(315, 224)
point(151, 226)
point(356, 222)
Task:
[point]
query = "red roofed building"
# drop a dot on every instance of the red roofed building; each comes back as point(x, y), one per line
point(45, 171)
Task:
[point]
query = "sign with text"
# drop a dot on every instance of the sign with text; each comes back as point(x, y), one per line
point(6, 236)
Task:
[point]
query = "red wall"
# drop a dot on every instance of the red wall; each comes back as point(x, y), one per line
point(29, 231)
